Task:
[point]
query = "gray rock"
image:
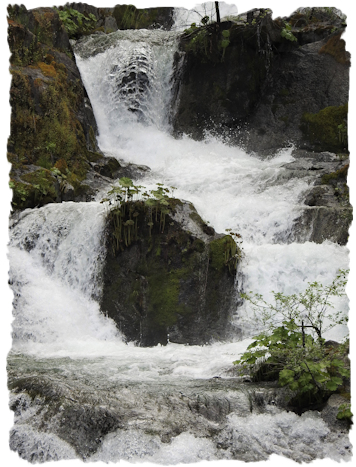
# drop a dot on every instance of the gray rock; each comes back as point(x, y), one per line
point(110, 24)
point(330, 411)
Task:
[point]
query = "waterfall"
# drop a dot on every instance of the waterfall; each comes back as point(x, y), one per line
point(145, 398)
point(259, 198)
point(55, 255)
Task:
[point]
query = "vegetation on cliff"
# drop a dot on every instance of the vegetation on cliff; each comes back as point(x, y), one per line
point(50, 127)
point(76, 23)
point(327, 129)
point(130, 17)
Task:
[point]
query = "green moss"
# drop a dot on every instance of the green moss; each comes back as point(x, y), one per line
point(163, 294)
point(43, 26)
point(327, 129)
point(338, 175)
point(75, 23)
point(45, 133)
point(130, 17)
point(223, 252)
point(44, 100)
point(36, 188)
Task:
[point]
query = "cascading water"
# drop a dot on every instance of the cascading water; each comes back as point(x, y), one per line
point(258, 198)
point(56, 251)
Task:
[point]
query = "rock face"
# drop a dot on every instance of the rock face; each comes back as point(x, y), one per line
point(266, 84)
point(174, 283)
point(328, 213)
point(330, 411)
point(127, 17)
point(264, 88)
point(53, 128)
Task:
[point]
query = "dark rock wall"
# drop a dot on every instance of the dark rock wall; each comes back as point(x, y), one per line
point(274, 83)
point(258, 89)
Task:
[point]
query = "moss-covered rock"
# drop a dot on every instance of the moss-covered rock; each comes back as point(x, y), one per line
point(130, 17)
point(162, 282)
point(327, 129)
point(51, 118)
point(256, 90)
point(88, 19)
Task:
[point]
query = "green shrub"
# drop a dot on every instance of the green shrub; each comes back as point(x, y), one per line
point(294, 351)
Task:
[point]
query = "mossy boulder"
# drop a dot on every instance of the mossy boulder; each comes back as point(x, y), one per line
point(327, 129)
point(51, 116)
point(130, 17)
point(171, 281)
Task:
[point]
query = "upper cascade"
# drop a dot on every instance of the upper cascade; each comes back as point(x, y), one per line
point(135, 70)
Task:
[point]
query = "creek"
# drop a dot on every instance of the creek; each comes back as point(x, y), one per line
point(174, 403)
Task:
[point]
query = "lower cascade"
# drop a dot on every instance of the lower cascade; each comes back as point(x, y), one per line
point(128, 303)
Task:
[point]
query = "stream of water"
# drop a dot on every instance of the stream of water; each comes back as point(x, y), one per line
point(56, 253)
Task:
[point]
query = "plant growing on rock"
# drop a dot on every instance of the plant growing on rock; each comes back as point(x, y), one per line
point(75, 22)
point(292, 348)
point(287, 33)
point(225, 42)
point(344, 412)
point(127, 201)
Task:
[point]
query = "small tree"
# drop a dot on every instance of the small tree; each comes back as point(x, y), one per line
point(292, 348)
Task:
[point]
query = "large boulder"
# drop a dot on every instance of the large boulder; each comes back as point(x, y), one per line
point(266, 83)
point(169, 278)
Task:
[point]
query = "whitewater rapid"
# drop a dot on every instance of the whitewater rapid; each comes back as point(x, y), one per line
point(56, 254)
point(258, 198)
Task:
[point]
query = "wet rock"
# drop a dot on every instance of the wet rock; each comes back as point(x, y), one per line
point(107, 166)
point(172, 283)
point(110, 24)
point(320, 223)
point(52, 122)
point(266, 92)
point(84, 427)
point(329, 213)
point(330, 411)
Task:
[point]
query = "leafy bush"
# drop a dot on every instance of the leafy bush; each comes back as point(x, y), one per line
point(292, 348)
